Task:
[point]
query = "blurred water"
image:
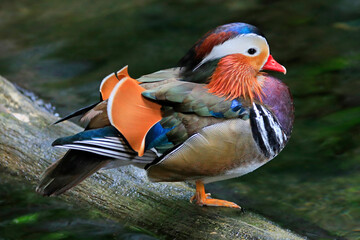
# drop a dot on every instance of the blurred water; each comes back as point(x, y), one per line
point(62, 49)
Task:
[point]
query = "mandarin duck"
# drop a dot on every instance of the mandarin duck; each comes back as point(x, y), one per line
point(216, 116)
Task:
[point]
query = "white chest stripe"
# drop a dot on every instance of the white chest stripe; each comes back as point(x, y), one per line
point(270, 131)
point(261, 126)
point(280, 136)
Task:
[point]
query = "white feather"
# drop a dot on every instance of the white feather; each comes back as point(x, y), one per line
point(261, 125)
point(239, 44)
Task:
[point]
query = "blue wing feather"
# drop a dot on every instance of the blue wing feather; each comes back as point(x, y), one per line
point(156, 137)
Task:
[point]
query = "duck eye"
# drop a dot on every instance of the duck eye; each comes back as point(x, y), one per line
point(251, 51)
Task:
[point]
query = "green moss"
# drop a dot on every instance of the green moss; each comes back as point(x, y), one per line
point(30, 218)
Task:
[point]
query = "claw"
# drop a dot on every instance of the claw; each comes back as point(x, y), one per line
point(203, 199)
point(207, 196)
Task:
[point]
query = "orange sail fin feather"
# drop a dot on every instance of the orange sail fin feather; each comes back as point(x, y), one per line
point(132, 114)
point(229, 79)
point(108, 83)
point(123, 72)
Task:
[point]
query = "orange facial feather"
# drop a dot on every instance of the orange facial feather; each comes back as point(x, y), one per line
point(235, 77)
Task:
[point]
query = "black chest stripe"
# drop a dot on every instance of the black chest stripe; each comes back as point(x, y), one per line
point(266, 131)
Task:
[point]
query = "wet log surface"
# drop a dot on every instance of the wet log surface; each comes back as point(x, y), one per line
point(124, 195)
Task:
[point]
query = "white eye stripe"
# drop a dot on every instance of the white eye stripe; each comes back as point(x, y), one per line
point(240, 44)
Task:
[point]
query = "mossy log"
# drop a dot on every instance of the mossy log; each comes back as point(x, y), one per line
point(124, 195)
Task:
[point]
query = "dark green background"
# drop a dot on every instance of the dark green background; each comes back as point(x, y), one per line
point(62, 49)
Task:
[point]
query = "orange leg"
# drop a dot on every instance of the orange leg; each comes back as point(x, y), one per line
point(203, 199)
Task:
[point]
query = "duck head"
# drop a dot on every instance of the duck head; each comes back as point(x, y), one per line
point(228, 59)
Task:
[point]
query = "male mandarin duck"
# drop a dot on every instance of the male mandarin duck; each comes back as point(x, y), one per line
point(217, 116)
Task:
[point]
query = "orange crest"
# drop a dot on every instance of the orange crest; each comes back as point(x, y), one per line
point(234, 77)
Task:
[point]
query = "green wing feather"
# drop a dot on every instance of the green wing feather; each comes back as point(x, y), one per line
point(187, 97)
point(159, 76)
point(188, 107)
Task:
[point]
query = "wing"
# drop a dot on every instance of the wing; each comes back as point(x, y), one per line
point(165, 114)
point(186, 109)
point(190, 97)
point(162, 76)
point(157, 112)
point(105, 141)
